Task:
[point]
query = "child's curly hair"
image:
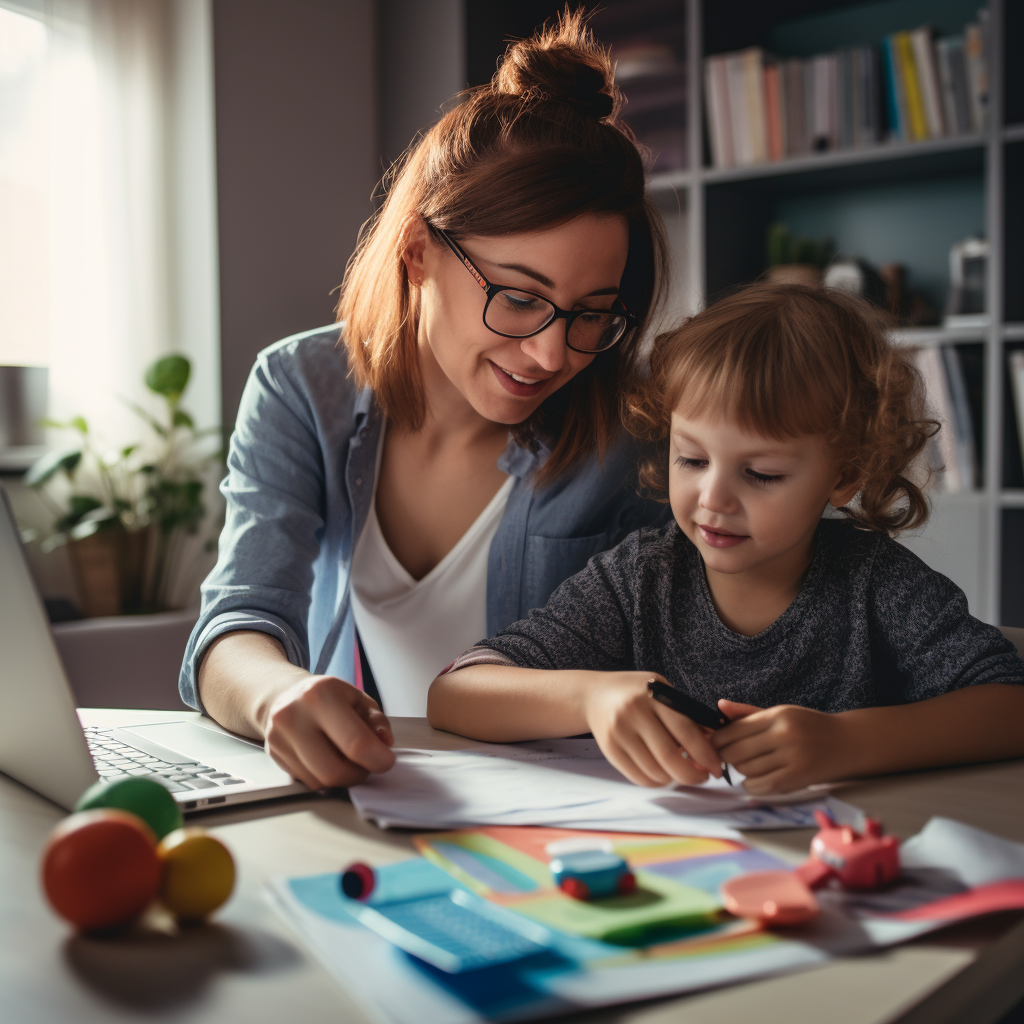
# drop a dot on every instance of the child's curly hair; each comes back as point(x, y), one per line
point(787, 360)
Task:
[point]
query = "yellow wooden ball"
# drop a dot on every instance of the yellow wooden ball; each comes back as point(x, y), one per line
point(198, 873)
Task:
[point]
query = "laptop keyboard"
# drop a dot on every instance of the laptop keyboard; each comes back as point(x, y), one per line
point(114, 759)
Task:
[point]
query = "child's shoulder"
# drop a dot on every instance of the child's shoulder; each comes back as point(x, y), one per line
point(886, 563)
point(656, 546)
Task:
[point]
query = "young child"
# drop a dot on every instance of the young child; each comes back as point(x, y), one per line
point(833, 650)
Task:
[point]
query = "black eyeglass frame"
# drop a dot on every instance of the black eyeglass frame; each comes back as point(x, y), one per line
point(568, 315)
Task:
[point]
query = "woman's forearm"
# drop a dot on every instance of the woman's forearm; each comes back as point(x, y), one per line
point(977, 723)
point(241, 676)
point(502, 704)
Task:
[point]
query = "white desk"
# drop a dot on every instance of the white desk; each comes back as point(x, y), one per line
point(248, 967)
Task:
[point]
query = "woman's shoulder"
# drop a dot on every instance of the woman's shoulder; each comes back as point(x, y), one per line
point(308, 356)
point(309, 373)
point(602, 494)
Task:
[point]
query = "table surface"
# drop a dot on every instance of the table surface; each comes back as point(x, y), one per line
point(247, 966)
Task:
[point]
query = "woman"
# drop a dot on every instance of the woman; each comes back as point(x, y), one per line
point(430, 473)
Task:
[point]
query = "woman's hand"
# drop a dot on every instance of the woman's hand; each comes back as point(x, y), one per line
point(324, 732)
point(651, 744)
point(783, 748)
point(321, 730)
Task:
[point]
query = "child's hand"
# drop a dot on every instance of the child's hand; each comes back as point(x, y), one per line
point(651, 745)
point(783, 748)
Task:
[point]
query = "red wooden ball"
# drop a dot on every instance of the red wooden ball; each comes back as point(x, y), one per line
point(100, 868)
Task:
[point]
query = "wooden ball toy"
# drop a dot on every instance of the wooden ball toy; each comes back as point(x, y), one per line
point(198, 873)
point(142, 797)
point(100, 868)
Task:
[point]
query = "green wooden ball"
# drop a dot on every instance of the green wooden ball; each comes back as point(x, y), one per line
point(142, 797)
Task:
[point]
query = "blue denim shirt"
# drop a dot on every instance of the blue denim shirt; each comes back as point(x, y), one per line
point(300, 477)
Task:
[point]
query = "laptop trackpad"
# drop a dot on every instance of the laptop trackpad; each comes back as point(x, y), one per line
point(195, 743)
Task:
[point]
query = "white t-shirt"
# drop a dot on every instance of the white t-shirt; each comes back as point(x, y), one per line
point(411, 629)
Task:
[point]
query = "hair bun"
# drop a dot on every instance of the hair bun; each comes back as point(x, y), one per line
point(561, 64)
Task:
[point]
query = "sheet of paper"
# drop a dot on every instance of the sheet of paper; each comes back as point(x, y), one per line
point(565, 783)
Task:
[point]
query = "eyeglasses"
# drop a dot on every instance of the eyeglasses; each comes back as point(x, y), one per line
point(515, 313)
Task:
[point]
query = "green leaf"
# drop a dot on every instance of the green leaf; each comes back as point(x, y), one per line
point(83, 530)
point(780, 245)
point(79, 507)
point(182, 419)
point(50, 464)
point(169, 376)
point(78, 422)
point(158, 427)
point(82, 503)
point(125, 452)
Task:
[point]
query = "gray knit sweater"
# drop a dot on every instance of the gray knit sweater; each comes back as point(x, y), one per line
point(872, 625)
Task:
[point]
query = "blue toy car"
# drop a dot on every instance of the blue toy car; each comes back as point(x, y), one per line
point(592, 874)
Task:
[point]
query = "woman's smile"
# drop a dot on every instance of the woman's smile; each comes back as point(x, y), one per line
point(518, 384)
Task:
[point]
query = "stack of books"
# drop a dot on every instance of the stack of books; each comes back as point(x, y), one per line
point(953, 385)
point(911, 88)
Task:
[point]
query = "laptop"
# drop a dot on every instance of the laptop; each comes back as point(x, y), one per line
point(44, 745)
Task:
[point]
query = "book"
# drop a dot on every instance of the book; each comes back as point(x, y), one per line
point(1016, 364)
point(874, 117)
point(896, 105)
point(961, 87)
point(807, 81)
point(916, 120)
point(719, 131)
point(742, 142)
point(845, 116)
point(977, 80)
point(773, 110)
point(964, 450)
point(928, 80)
point(793, 72)
point(911, 88)
point(832, 98)
point(753, 95)
point(941, 452)
point(949, 54)
point(822, 128)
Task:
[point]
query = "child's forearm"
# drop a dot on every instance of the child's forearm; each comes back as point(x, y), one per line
point(502, 704)
point(977, 723)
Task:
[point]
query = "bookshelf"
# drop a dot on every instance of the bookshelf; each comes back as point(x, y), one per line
point(918, 198)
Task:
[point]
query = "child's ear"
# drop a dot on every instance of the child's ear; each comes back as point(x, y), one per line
point(414, 244)
point(848, 485)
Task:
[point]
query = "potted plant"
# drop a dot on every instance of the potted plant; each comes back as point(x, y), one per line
point(794, 260)
point(124, 514)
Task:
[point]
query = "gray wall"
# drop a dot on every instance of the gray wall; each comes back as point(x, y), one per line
point(297, 128)
point(422, 66)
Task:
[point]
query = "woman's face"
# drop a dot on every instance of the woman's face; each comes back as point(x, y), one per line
point(576, 265)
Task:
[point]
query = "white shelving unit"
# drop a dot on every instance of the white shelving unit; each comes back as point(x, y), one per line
point(963, 537)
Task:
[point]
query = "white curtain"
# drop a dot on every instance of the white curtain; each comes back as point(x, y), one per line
point(103, 144)
point(109, 222)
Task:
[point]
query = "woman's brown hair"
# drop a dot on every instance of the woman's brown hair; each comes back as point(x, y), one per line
point(788, 360)
point(538, 146)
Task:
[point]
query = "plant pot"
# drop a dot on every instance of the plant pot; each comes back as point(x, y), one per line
point(111, 569)
point(795, 273)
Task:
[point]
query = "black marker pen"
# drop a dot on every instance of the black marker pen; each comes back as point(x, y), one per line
point(693, 709)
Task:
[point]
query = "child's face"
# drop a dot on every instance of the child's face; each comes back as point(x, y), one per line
point(750, 503)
